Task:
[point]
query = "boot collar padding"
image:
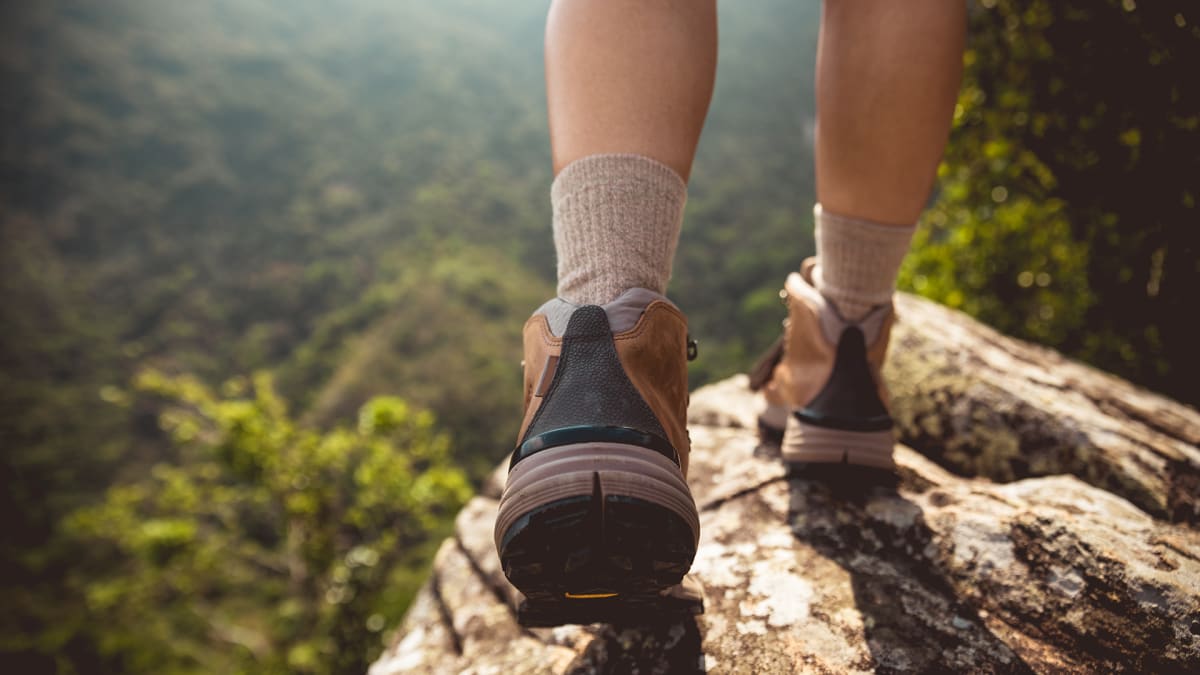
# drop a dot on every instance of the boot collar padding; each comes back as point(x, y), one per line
point(623, 312)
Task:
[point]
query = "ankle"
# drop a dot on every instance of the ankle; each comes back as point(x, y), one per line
point(616, 226)
point(857, 262)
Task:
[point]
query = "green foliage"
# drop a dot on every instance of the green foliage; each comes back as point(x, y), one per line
point(228, 187)
point(1009, 260)
point(277, 542)
point(1068, 205)
point(444, 333)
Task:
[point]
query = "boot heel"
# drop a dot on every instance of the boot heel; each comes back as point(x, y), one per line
point(810, 444)
point(595, 521)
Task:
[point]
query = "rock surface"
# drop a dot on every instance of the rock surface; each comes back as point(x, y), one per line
point(1048, 526)
point(983, 404)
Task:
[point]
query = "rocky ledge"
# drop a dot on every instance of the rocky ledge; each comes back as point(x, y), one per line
point(1045, 522)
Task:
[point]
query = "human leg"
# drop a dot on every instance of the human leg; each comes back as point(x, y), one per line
point(628, 84)
point(629, 77)
point(597, 516)
point(887, 78)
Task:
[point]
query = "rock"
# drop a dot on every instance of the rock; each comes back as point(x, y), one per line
point(1072, 547)
point(987, 405)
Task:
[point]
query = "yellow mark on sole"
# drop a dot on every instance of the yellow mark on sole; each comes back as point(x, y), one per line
point(589, 596)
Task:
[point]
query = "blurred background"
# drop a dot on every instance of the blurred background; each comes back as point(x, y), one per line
point(264, 265)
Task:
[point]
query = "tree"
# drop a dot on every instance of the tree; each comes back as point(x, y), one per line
point(268, 547)
point(1068, 208)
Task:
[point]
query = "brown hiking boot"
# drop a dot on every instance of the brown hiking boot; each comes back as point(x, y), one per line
point(596, 517)
point(825, 399)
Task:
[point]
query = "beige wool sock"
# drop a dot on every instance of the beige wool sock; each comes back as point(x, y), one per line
point(616, 225)
point(857, 261)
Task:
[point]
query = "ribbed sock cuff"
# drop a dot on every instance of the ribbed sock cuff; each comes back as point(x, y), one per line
point(616, 226)
point(857, 261)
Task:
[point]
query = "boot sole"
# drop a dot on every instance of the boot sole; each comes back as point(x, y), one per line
point(805, 443)
point(590, 529)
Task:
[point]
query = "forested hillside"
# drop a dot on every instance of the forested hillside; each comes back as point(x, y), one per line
point(227, 226)
point(353, 199)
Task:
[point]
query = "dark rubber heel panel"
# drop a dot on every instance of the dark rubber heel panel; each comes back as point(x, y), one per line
point(603, 552)
point(590, 387)
point(850, 399)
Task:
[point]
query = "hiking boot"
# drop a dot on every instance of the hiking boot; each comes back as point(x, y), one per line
point(596, 511)
point(825, 399)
